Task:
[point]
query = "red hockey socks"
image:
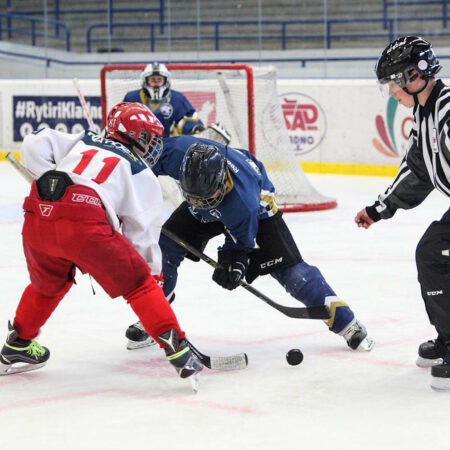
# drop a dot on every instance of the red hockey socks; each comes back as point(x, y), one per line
point(153, 309)
point(34, 309)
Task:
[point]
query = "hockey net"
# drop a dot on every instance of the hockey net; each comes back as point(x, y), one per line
point(245, 100)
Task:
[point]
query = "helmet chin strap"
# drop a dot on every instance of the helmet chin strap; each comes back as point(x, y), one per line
point(415, 94)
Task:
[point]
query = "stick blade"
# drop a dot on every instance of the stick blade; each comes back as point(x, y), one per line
point(233, 362)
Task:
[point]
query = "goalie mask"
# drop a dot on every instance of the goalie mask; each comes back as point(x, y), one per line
point(203, 175)
point(134, 124)
point(406, 59)
point(156, 94)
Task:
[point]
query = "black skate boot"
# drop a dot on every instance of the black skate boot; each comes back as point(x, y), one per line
point(357, 338)
point(431, 353)
point(138, 337)
point(440, 373)
point(181, 357)
point(21, 355)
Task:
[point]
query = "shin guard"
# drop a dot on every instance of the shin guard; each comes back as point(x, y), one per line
point(153, 310)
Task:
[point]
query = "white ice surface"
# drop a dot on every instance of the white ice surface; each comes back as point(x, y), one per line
point(95, 394)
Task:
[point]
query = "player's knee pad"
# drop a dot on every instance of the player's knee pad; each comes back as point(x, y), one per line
point(304, 283)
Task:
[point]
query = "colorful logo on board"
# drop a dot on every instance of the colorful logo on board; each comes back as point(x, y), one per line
point(393, 130)
point(305, 121)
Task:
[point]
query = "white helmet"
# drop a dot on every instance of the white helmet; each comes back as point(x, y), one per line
point(156, 93)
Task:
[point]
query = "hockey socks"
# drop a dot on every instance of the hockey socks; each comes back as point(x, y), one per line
point(154, 312)
point(34, 309)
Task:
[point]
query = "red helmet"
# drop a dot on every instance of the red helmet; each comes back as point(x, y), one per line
point(134, 124)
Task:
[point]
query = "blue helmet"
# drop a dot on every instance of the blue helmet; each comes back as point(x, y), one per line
point(203, 175)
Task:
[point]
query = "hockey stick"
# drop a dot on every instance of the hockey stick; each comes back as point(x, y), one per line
point(232, 362)
point(20, 167)
point(311, 312)
point(86, 111)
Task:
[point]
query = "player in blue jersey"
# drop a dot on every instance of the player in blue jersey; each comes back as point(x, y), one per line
point(227, 191)
point(171, 107)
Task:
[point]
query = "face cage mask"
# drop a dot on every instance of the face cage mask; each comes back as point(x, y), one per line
point(206, 203)
point(155, 149)
point(157, 94)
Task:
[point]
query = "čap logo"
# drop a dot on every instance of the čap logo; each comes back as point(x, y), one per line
point(393, 131)
point(305, 121)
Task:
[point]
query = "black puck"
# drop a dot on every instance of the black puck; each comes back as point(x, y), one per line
point(294, 357)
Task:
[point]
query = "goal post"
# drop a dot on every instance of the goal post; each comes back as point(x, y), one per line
point(246, 101)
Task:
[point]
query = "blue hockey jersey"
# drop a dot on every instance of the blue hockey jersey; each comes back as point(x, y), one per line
point(250, 195)
point(175, 112)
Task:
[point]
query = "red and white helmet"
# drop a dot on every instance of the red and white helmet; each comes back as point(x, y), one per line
point(134, 124)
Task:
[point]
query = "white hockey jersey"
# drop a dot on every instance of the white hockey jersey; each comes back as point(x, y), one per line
point(127, 187)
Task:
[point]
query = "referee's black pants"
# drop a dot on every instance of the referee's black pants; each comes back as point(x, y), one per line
point(433, 267)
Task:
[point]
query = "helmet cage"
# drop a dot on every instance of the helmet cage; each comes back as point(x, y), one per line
point(134, 124)
point(206, 203)
point(203, 176)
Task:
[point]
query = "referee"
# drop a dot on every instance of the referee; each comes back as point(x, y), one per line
point(406, 70)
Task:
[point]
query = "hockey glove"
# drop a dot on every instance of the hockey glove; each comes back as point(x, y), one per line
point(234, 266)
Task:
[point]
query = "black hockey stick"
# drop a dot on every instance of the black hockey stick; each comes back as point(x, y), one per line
point(311, 312)
point(233, 362)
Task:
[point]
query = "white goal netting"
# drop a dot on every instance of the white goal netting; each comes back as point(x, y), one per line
point(246, 101)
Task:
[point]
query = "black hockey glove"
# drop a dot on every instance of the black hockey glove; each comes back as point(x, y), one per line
point(234, 266)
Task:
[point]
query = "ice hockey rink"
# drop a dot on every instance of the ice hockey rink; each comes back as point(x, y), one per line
point(94, 394)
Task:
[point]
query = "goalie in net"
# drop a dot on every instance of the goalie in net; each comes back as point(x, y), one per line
point(245, 100)
point(171, 107)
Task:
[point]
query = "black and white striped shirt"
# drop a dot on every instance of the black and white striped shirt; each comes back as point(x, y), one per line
point(426, 165)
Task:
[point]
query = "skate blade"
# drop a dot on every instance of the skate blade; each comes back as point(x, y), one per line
point(440, 384)
point(10, 369)
point(134, 345)
point(366, 345)
point(195, 382)
point(427, 363)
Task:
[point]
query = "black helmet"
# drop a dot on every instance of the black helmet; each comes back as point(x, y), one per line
point(403, 57)
point(203, 176)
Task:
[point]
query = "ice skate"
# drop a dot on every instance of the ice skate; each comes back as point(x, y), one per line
point(138, 337)
point(357, 338)
point(21, 355)
point(431, 353)
point(440, 375)
point(181, 357)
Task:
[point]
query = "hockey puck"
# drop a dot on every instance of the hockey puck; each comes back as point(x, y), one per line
point(294, 357)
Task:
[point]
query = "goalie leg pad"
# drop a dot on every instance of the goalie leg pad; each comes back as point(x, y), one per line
point(277, 248)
